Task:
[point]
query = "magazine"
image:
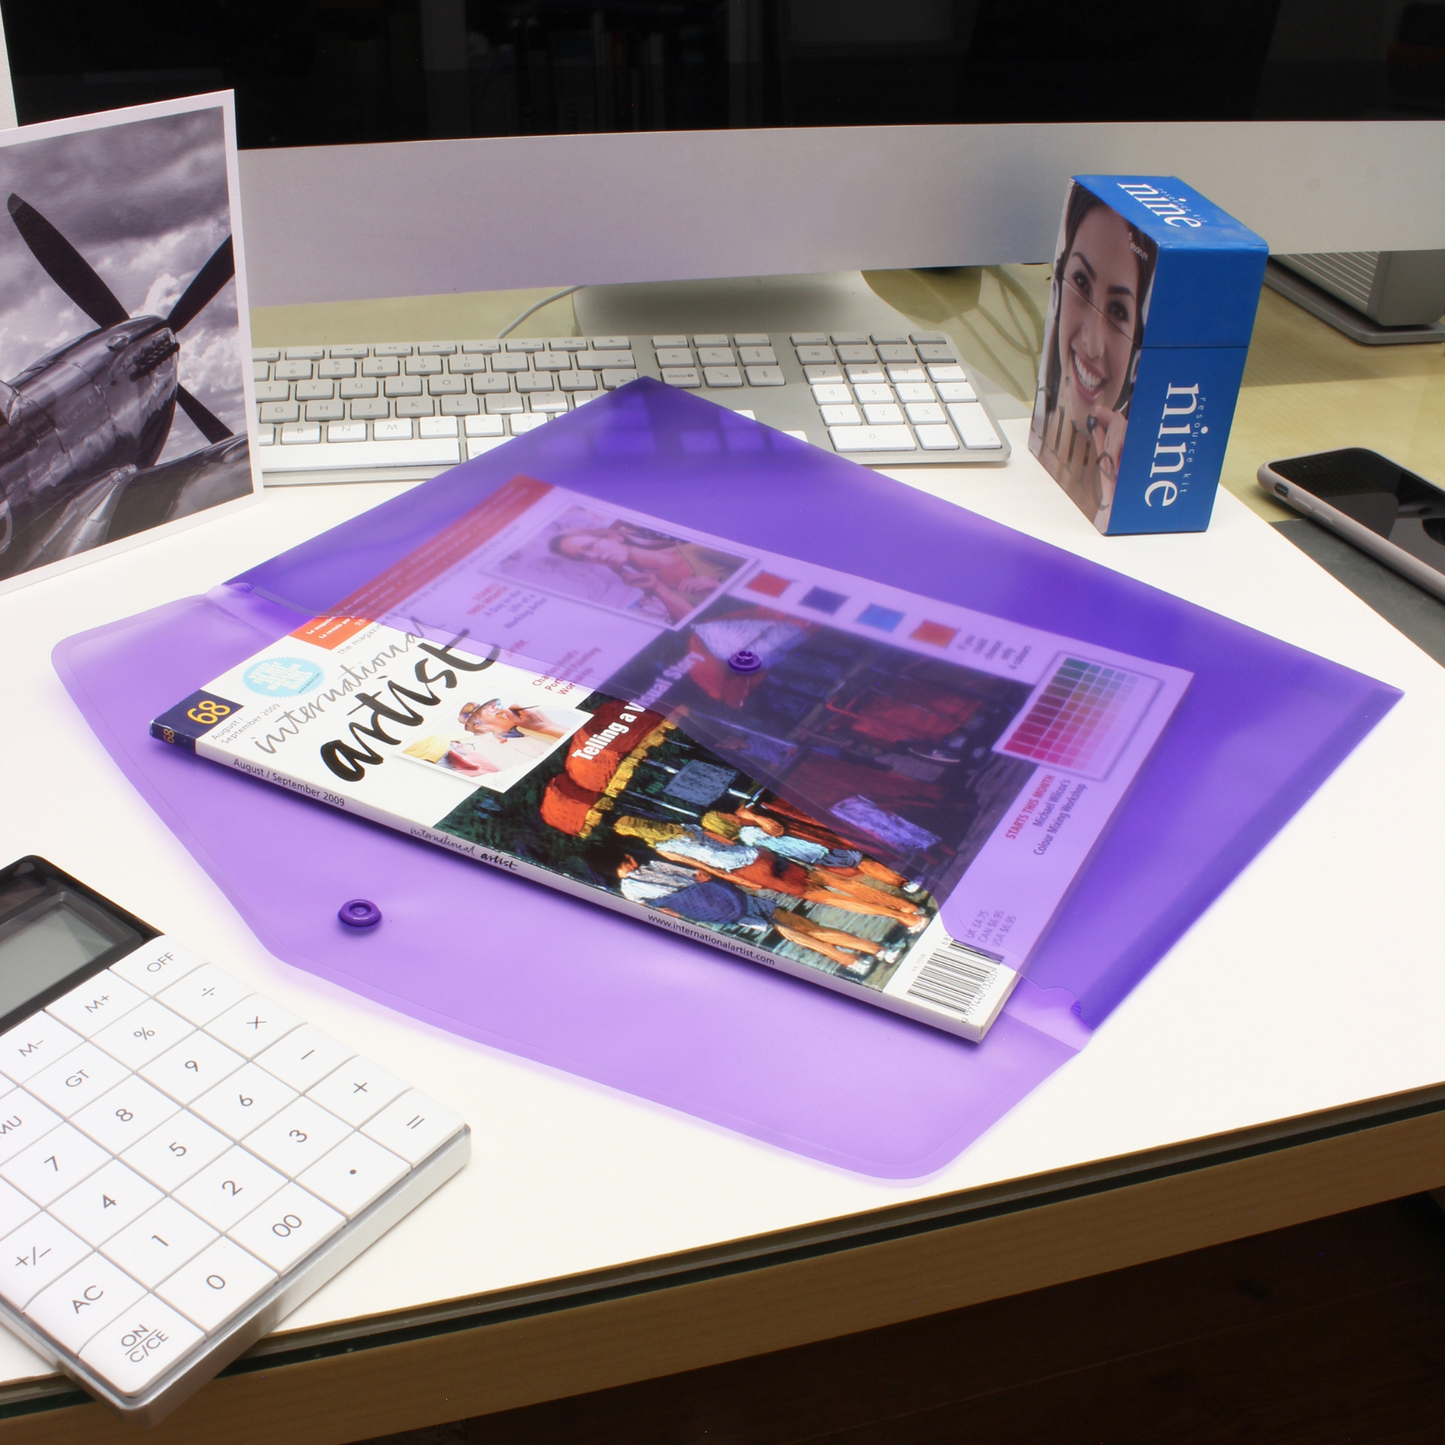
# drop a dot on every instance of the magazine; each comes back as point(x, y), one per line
point(861, 787)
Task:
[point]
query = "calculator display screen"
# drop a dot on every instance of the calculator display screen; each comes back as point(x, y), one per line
point(46, 943)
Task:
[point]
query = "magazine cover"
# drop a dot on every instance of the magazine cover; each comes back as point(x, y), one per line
point(844, 781)
point(124, 332)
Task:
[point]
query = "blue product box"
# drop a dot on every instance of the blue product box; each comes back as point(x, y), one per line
point(1150, 314)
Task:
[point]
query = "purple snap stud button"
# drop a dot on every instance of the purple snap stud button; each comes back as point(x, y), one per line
point(359, 913)
point(745, 661)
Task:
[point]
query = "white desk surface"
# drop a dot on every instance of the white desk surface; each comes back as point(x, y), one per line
point(1314, 982)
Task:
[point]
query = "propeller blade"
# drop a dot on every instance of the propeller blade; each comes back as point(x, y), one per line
point(207, 281)
point(207, 422)
point(65, 265)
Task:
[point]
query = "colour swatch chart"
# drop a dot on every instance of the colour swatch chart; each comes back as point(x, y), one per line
point(1080, 717)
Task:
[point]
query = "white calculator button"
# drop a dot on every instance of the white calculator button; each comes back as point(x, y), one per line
point(140, 1345)
point(125, 1115)
point(304, 1058)
point(253, 1025)
point(23, 1119)
point(114, 1196)
point(83, 1301)
point(145, 1033)
point(192, 1066)
point(286, 1227)
point(40, 1251)
point(243, 1102)
point(204, 993)
point(15, 1208)
point(33, 1045)
point(159, 1242)
point(90, 1006)
point(55, 1163)
point(354, 1173)
point(357, 1090)
point(216, 1284)
point(157, 964)
point(85, 1073)
point(297, 1137)
point(181, 1147)
point(413, 1126)
point(230, 1188)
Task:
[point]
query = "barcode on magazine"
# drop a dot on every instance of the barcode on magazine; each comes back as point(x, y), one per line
point(955, 978)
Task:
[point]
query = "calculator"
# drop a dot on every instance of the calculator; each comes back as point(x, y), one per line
point(182, 1160)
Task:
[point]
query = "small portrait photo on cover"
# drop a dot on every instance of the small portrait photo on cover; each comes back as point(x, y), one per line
point(124, 332)
point(1093, 333)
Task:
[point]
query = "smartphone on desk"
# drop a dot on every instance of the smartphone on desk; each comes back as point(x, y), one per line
point(1378, 505)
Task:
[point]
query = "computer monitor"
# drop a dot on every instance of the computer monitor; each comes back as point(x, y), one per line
point(575, 143)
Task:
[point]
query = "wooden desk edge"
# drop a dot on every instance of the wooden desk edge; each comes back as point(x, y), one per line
point(663, 1317)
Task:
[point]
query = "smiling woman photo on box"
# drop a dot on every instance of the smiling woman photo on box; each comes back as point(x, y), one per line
point(1103, 269)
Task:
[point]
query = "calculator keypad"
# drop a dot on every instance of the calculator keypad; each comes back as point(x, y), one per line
point(171, 1143)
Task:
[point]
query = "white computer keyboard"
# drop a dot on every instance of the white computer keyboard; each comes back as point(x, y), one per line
point(182, 1161)
point(346, 413)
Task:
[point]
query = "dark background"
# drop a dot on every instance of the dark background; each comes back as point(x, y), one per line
point(310, 72)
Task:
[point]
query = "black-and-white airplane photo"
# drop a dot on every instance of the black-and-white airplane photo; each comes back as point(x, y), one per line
point(100, 437)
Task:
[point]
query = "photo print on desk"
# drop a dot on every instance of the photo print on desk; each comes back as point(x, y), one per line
point(124, 333)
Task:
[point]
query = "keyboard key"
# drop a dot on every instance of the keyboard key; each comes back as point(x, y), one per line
point(973, 425)
point(286, 1227)
point(83, 1301)
point(816, 355)
point(359, 389)
point(413, 1126)
point(889, 338)
point(888, 351)
point(204, 994)
point(325, 410)
point(305, 353)
point(765, 376)
point(22, 1121)
point(566, 343)
point(101, 1206)
point(357, 1090)
point(424, 366)
point(346, 431)
point(33, 1045)
point(315, 390)
point(273, 391)
point(374, 409)
point(674, 356)
point(491, 385)
point(480, 446)
point(511, 362)
point(191, 1067)
point(338, 370)
point(529, 345)
point(831, 394)
point(437, 426)
point(125, 1115)
point(262, 354)
point(577, 381)
point(915, 391)
point(145, 1033)
point(90, 1007)
point(244, 1101)
point(872, 438)
point(613, 377)
point(293, 371)
point(552, 361)
point(917, 336)
point(484, 426)
point(722, 376)
point(265, 435)
point(598, 360)
point(860, 372)
point(550, 401)
point(882, 413)
point(34, 1255)
point(873, 391)
point(354, 1174)
point(159, 1242)
point(220, 1282)
point(391, 348)
point(54, 1164)
point(715, 355)
point(180, 1148)
point(504, 405)
point(840, 415)
point(753, 338)
point(613, 343)
point(935, 351)
point(921, 412)
point(356, 353)
point(140, 1345)
point(686, 377)
point(757, 355)
point(440, 452)
point(15, 1208)
point(536, 381)
point(665, 343)
point(304, 1057)
point(466, 365)
point(906, 373)
point(956, 391)
point(297, 1137)
point(530, 422)
point(937, 438)
point(300, 434)
point(849, 338)
point(857, 353)
point(947, 372)
point(157, 964)
point(402, 386)
point(381, 366)
point(436, 348)
point(459, 405)
point(823, 373)
point(85, 1073)
point(482, 348)
point(229, 1189)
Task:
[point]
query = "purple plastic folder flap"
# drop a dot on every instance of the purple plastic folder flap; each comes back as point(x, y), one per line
point(530, 970)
